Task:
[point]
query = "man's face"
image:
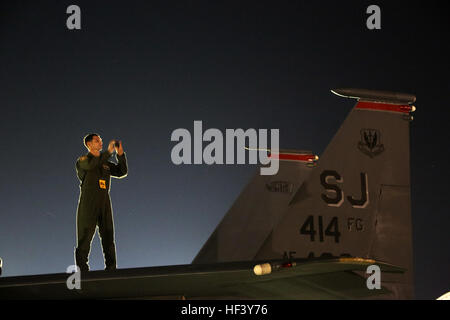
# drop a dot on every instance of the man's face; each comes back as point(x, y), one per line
point(95, 144)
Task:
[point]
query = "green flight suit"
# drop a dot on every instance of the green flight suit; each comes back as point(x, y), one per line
point(94, 206)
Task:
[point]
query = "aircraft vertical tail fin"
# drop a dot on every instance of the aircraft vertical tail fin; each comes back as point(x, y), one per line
point(257, 210)
point(356, 201)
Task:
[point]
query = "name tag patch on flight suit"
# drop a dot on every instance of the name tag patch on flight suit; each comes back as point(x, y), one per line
point(102, 184)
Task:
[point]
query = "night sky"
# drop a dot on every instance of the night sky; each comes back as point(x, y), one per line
point(137, 70)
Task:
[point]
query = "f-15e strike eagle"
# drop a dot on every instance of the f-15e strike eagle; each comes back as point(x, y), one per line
point(308, 232)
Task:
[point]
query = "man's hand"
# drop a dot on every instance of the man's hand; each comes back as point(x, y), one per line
point(119, 150)
point(111, 146)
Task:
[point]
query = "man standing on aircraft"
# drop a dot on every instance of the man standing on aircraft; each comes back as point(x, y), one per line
point(94, 206)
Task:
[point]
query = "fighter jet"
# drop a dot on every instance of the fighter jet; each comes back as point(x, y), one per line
point(309, 232)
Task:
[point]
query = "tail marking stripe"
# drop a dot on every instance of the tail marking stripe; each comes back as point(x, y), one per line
point(384, 107)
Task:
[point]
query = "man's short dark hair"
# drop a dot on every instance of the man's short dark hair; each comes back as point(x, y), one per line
point(89, 138)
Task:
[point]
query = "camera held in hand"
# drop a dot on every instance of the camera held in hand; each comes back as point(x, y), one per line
point(116, 143)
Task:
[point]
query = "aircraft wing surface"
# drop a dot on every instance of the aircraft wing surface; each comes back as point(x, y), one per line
point(298, 279)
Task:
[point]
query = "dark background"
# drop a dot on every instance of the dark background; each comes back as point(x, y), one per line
point(137, 70)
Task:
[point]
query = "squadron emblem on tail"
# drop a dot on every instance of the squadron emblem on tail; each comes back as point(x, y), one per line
point(370, 143)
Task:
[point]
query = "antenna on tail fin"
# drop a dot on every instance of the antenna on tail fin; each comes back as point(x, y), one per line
point(375, 96)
